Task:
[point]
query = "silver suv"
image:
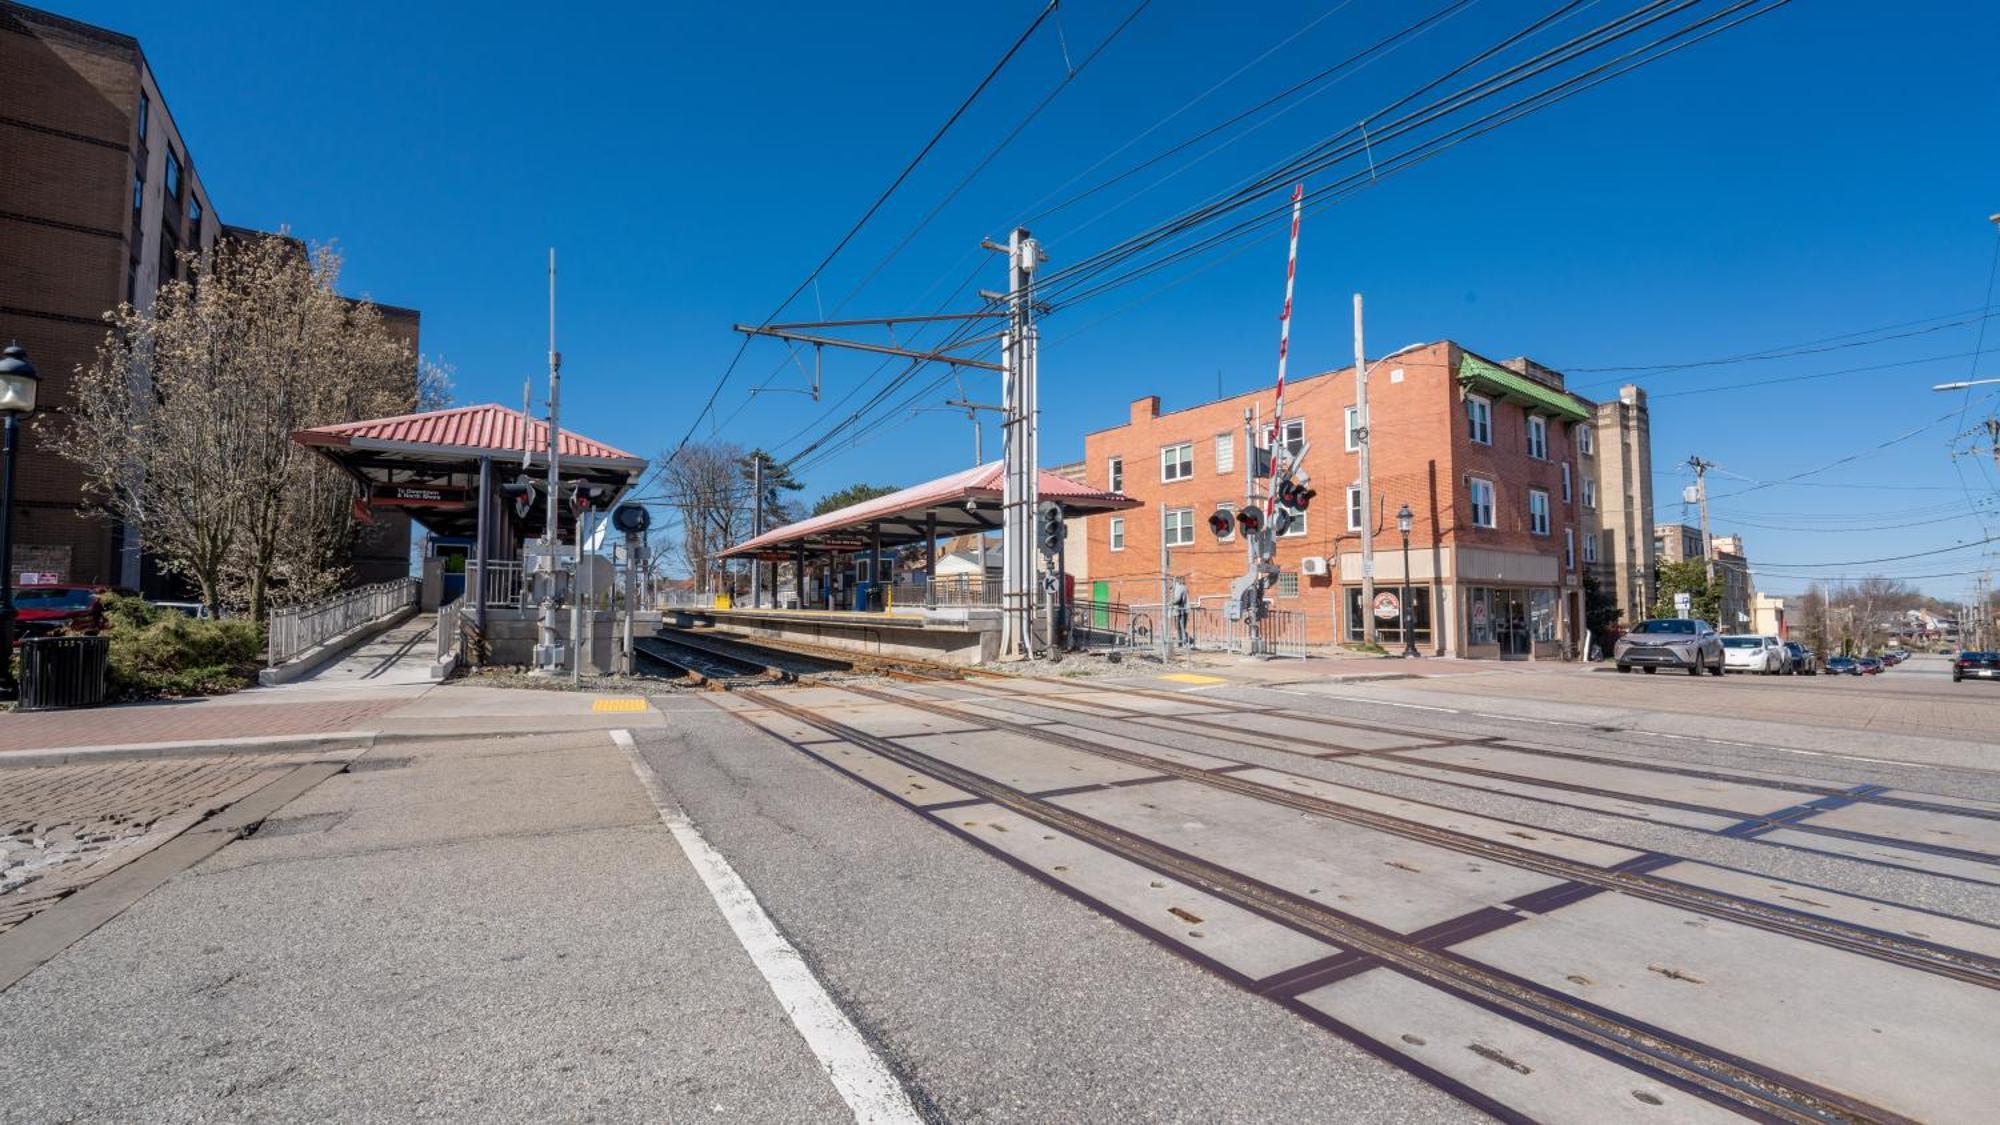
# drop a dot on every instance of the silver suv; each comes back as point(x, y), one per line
point(1670, 642)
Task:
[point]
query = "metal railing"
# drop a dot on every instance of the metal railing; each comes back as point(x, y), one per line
point(1101, 625)
point(295, 629)
point(58, 672)
point(1207, 628)
point(504, 587)
point(950, 590)
point(451, 628)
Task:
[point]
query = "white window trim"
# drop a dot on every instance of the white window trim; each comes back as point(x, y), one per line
point(1569, 548)
point(1492, 502)
point(1486, 407)
point(1166, 449)
point(1166, 527)
point(1284, 433)
point(1589, 493)
point(1116, 533)
point(1586, 438)
point(1538, 426)
point(1566, 487)
point(1589, 548)
point(1356, 505)
point(1225, 443)
point(1350, 420)
point(1547, 522)
point(1297, 528)
point(1114, 473)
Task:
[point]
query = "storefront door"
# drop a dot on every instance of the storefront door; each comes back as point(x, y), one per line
point(1511, 623)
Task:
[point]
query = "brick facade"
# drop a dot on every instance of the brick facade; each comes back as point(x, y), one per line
point(1470, 583)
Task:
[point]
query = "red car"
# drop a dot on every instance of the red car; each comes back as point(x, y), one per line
point(44, 610)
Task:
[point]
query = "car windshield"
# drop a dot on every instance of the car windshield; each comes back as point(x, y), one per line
point(52, 597)
point(1666, 625)
point(1742, 642)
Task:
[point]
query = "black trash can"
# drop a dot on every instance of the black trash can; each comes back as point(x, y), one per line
point(58, 672)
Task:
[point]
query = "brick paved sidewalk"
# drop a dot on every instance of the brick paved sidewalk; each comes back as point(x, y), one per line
point(190, 721)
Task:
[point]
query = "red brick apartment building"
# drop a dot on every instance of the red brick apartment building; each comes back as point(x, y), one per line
point(98, 193)
point(1517, 487)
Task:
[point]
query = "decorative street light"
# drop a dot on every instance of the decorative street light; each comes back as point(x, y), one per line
point(1403, 521)
point(17, 398)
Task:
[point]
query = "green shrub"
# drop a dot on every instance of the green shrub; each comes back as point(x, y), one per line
point(156, 652)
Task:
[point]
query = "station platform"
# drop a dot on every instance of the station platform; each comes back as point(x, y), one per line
point(948, 634)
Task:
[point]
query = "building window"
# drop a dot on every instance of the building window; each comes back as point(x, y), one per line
point(145, 112)
point(1116, 471)
point(1569, 548)
point(1481, 492)
point(1589, 493)
point(1565, 482)
point(1479, 604)
point(1177, 462)
point(1288, 584)
point(173, 177)
point(1117, 533)
point(1586, 438)
point(1225, 452)
point(1355, 508)
point(1589, 546)
point(1538, 511)
point(1479, 419)
point(1353, 429)
point(1538, 437)
point(1296, 528)
point(1230, 511)
point(138, 196)
point(1178, 528)
point(1542, 614)
point(1295, 437)
point(194, 223)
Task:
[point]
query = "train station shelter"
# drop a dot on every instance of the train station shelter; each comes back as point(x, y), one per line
point(967, 502)
point(449, 470)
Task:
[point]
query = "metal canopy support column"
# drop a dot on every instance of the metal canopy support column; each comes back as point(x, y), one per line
point(482, 546)
point(930, 559)
point(875, 560)
point(799, 575)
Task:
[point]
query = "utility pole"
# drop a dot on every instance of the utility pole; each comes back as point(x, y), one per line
point(1701, 469)
point(549, 654)
point(1250, 550)
point(1367, 481)
point(1022, 472)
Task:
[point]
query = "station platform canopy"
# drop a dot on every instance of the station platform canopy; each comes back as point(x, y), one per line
point(439, 465)
point(964, 503)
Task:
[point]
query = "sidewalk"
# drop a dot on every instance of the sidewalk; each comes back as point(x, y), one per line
point(491, 928)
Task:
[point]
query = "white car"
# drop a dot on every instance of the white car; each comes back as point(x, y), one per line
point(1747, 652)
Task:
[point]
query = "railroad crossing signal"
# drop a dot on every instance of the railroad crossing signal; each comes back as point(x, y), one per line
point(1049, 527)
point(522, 491)
point(1222, 523)
point(584, 497)
point(1250, 519)
point(1296, 495)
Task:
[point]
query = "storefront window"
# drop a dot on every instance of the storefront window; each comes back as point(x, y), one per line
point(1479, 616)
point(1542, 614)
point(1391, 630)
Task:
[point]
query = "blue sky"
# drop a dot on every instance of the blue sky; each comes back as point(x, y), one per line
point(1823, 170)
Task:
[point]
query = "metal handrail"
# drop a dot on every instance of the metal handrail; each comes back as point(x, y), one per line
point(294, 629)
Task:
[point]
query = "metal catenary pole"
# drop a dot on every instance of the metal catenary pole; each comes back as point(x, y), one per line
point(1367, 480)
point(551, 652)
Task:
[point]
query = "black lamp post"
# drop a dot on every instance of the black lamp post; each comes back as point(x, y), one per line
point(1403, 520)
point(17, 399)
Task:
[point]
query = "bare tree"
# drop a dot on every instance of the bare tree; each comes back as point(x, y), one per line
point(704, 482)
point(183, 421)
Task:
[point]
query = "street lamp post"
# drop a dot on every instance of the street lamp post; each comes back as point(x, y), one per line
point(17, 399)
point(1403, 520)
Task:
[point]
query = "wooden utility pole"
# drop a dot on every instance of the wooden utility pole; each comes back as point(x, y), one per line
point(1701, 469)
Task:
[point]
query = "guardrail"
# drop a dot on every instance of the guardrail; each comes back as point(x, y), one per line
point(295, 629)
point(450, 628)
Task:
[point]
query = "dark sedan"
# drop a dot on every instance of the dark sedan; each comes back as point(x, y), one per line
point(1843, 666)
point(1976, 666)
point(1804, 661)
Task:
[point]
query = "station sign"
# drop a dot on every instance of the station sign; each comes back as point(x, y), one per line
point(418, 496)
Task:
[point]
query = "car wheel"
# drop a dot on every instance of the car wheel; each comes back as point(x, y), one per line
point(1650, 671)
point(1694, 669)
point(1716, 668)
point(1625, 668)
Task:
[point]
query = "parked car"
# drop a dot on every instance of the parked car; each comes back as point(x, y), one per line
point(1804, 661)
point(1748, 652)
point(44, 610)
point(1842, 666)
point(1976, 666)
point(194, 610)
point(1871, 665)
point(1670, 642)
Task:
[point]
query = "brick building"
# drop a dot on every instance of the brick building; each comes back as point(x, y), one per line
point(98, 193)
point(1679, 542)
point(1509, 477)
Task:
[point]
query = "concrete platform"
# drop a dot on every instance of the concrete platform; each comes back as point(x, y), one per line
point(949, 635)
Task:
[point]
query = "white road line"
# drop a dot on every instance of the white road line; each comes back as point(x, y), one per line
point(858, 1074)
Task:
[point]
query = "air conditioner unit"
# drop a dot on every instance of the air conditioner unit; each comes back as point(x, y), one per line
point(1313, 566)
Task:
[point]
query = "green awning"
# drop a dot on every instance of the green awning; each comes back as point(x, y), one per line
point(1491, 378)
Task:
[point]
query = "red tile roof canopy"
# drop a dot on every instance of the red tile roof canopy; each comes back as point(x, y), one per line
point(469, 430)
point(901, 515)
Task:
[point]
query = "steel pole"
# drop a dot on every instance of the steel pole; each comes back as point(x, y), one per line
point(8, 688)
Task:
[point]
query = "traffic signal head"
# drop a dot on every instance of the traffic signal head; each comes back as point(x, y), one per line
point(1280, 520)
point(1221, 523)
point(1049, 527)
point(521, 490)
point(1251, 519)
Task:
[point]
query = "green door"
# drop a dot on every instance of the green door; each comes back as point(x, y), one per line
point(1100, 608)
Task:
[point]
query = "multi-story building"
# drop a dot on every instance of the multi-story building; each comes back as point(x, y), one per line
point(99, 193)
point(1679, 542)
point(1489, 457)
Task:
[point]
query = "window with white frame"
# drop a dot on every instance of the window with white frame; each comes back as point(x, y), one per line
point(1481, 493)
point(1353, 429)
point(1288, 584)
point(1479, 419)
point(1569, 548)
point(1178, 527)
point(1296, 528)
point(1225, 452)
point(1590, 546)
point(1538, 511)
point(1538, 437)
point(1117, 533)
point(1356, 508)
point(1295, 436)
point(1114, 471)
point(1586, 438)
point(1565, 468)
point(1589, 493)
point(1177, 462)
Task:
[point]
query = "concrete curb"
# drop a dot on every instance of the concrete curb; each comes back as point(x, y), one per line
point(328, 651)
point(263, 744)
